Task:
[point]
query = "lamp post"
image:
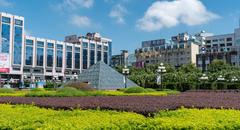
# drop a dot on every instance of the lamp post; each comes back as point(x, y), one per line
point(161, 69)
point(125, 72)
point(234, 79)
point(220, 78)
point(75, 77)
point(204, 78)
point(32, 84)
point(54, 79)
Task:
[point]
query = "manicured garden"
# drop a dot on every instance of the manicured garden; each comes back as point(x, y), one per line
point(31, 117)
point(145, 105)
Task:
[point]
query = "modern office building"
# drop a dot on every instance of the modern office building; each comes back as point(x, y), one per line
point(120, 60)
point(224, 47)
point(181, 49)
point(44, 59)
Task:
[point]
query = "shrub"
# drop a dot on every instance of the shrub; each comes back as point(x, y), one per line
point(80, 86)
point(150, 90)
point(37, 89)
point(68, 92)
point(135, 90)
point(49, 85)
point(6, 90)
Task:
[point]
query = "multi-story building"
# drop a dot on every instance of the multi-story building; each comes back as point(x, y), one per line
point(181, 49)
point(120, 60)
point(123, 59)
point(45, 59)
point(224, 47)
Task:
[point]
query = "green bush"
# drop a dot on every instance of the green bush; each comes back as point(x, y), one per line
point(31, 117)
point(37, 89)
point(80, 85)
point(150, 90)
point(135, 90)
point(6, 90)
point(68, 92)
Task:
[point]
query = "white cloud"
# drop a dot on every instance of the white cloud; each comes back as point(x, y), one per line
point(118, 12)
point(166, 14)
point(74, 4)
point(80, 21)
point(5, 3)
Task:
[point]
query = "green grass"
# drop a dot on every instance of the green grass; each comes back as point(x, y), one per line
point(31, 117)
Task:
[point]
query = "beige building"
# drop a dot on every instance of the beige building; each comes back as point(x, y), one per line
point(182, 49)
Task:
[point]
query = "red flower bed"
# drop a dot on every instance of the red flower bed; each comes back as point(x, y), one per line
point(139, 104)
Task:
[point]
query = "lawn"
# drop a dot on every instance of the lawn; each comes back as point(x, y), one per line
point(31, 117)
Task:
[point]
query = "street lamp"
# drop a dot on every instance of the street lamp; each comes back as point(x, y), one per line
point(234, 79)
point(75, 77)
point(32, 84)
point(161, 69)
point(125, 72)
point(54, 79)
point(220, 78)
point(204, 78)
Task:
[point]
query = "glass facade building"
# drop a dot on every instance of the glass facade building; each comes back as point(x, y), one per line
point(46, 58)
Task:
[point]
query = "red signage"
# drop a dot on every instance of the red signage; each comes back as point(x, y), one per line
point(4, 63)
point(4, 70)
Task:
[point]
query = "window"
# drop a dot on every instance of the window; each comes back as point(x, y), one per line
point(222, 39)
point(5, 38)
point(29, 52)
point(85, 45)
point(92, 46)
point(18, 22)
point(59, 55)
point(85, 58)
point(229, 44)
point(29, 55)
point(40, 44)
point(69, 57)
point(6, 19)
point(181, 46)
point(50, 45)
point(77, 57)
point(222, 45)
point(215, 40)
point(99, 47)
point(105, 57)
point(18, 45)
point(99, 55)
point(92, 57)
point(29, 42)
point(229, 39)
point(50, 52)
point(50, 57)
point(105, 48)
point(40, 53)
point(208, 41)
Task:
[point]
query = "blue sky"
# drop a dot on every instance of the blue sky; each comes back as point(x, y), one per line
point(126, 22)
